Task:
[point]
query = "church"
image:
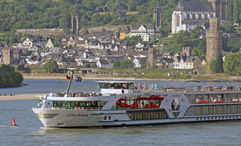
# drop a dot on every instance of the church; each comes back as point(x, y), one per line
point(189, 14)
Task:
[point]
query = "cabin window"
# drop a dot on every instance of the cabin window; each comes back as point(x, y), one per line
point(217, 98)
point(217, 109)
point(58, 104)
point(116, 85)
point(79, 104)
point(139, 102)
point(147, 115)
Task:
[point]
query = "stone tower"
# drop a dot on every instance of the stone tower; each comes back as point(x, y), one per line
point(187, 51)
point(157, 16)
point(75, 24)
point(7, 56)
point(220, 7)
point(151, 63)
point(214, 41)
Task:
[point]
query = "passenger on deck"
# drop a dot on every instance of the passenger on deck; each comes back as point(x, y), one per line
point(198, 100)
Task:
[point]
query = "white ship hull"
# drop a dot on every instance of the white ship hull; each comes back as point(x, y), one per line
point(83, 118)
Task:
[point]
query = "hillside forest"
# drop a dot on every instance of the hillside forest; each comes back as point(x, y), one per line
point(16, 14)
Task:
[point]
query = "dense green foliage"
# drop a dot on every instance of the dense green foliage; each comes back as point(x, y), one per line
point(228, 27)
point(234, 10)
point(9, 77)
point(51, 66)
point(133, 40)
point(183, 39)
point(232, 44)
point(216, 66)
point(57, 13)
point(125, 64)
point(232, 64)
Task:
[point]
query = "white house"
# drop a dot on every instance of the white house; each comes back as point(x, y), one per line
point(184, 62)
point(28, 42)
point(146, 32)
point(140, 45)
point(49, 44)
point(139, 60)
point(101, 63)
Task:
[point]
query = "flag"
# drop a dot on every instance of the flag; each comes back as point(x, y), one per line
point(67, 78)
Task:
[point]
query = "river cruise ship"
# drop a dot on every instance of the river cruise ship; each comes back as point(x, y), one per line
point(119, 104)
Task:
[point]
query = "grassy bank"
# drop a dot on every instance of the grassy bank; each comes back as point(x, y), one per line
point(140, 74)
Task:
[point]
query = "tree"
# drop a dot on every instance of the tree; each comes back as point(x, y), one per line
point(236, 11)
point(117, 64)
point(216, 65)
point(232, 44)
point(185, 38)
point(51, 66)
point(133, 40)
point(125, 64)
point(232, 64)
point(119, 9)
point(230, 11)
point(228, 27)
point(9, 77)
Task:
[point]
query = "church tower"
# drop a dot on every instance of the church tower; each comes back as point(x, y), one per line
point(157, 16)
point(214, 42)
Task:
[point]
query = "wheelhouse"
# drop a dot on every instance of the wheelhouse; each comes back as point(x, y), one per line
point(116, 87)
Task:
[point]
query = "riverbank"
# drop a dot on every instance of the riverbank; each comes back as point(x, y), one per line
point(20, 97)
point(62, 76)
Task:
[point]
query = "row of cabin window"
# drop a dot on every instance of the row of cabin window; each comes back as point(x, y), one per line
point(218, 109)
point(73, 104)
point(116, 85)
point(232, 97)
point(148, 115)
point(141, 103)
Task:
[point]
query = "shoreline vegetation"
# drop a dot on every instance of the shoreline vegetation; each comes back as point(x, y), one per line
point(9, 77)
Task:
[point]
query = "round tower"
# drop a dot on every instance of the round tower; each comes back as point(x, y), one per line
point(151, 62)
point(214, 41)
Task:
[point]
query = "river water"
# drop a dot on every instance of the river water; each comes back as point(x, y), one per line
point(30, 131)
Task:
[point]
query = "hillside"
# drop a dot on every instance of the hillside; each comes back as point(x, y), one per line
point(16, 14)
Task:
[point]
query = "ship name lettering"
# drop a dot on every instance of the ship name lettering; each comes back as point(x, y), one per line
point(77, 115)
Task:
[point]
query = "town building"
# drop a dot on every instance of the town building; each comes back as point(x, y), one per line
point(146, 32)
point(124, 32)
point(188, 15)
